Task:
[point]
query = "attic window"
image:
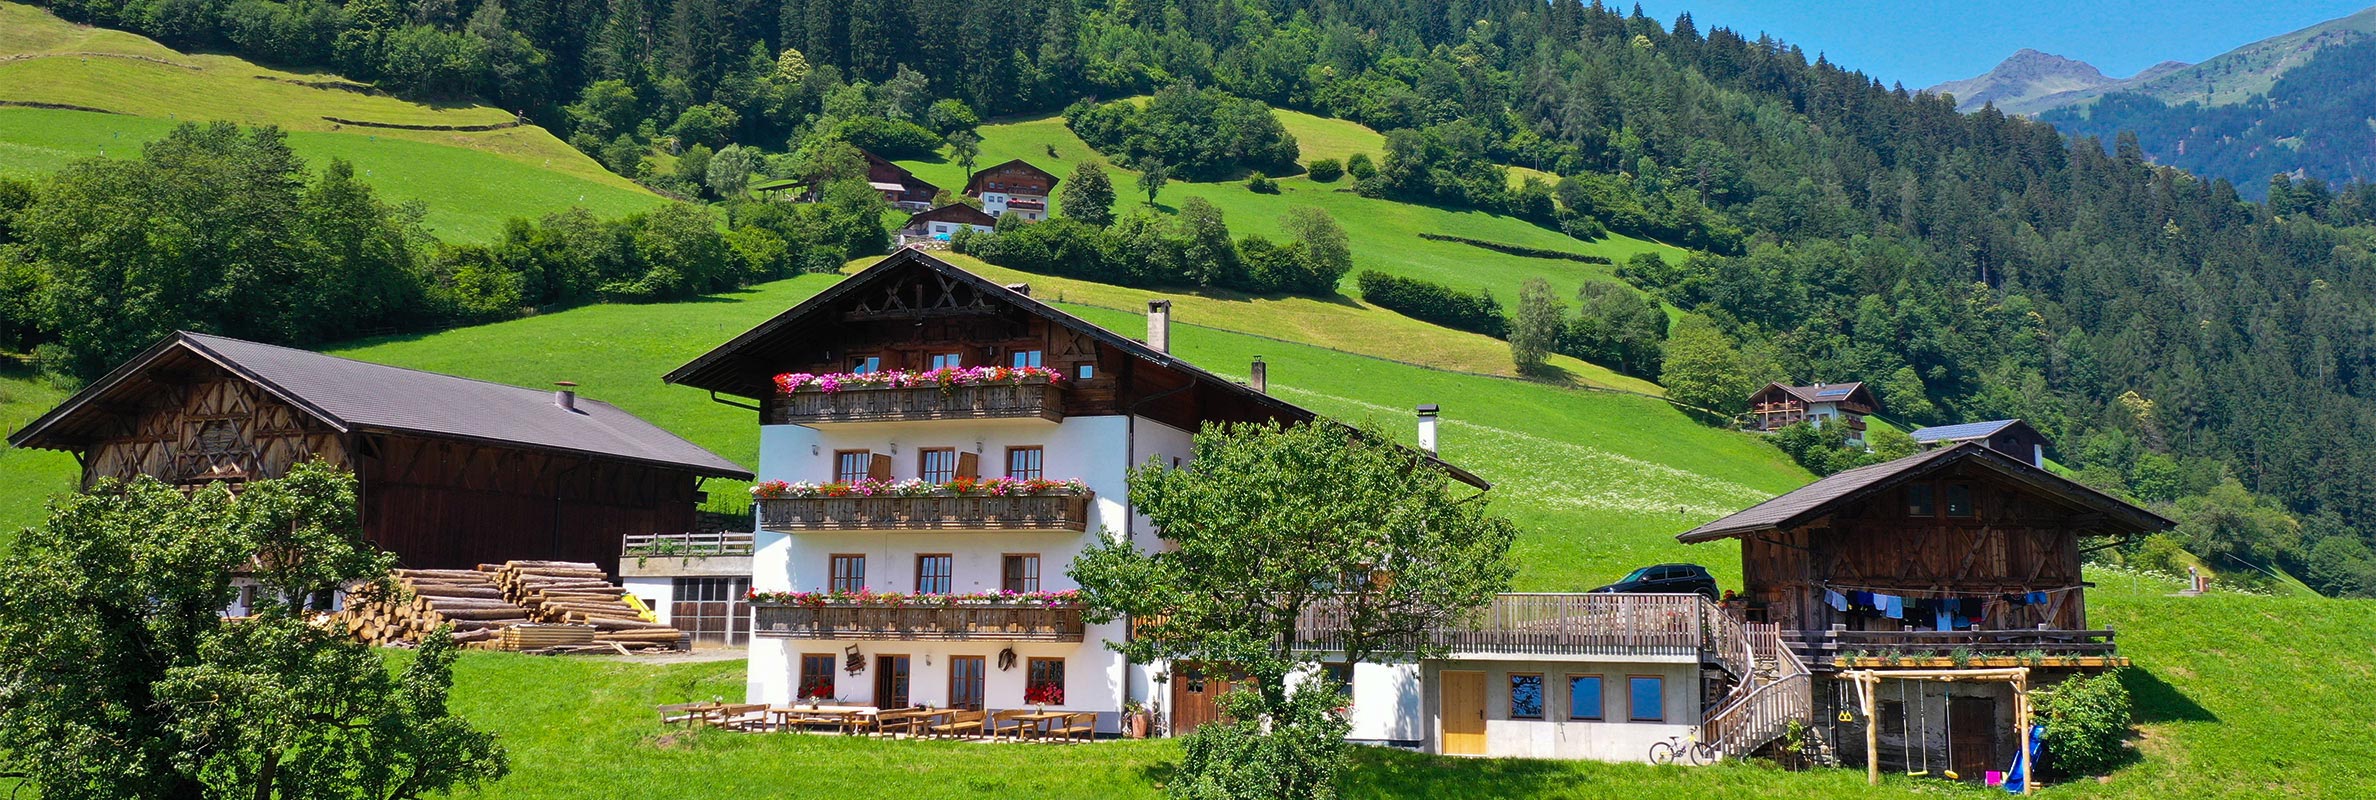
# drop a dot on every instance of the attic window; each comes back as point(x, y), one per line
point(1959, 500)
point(1918, 501)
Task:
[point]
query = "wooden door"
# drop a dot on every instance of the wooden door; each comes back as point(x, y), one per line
point(891, 682)
point(1971, 731)
point(1196, 695)
point(965, 682)
point(1464, 712)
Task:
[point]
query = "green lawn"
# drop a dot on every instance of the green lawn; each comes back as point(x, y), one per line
point(27, 477)
point(470, 181)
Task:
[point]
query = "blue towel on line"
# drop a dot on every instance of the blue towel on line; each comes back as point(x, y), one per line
point(1893, 606)
point(1837, 601)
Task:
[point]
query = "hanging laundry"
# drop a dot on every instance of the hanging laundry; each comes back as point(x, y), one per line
point(1892, 606)
point(1945, 618)
point(2037, 598)
point(1837, 601)
point(1861, 600)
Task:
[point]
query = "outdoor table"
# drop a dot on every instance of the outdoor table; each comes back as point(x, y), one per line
point(909, 720)
point(844, 718)
point(1035, 724)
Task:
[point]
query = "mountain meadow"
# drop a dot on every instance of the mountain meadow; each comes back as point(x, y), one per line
point(1589, 235)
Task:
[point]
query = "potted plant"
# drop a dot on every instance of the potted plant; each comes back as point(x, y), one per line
point(1136, 719)
point(1044, 694)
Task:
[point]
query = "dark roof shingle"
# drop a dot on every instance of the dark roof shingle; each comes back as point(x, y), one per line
point(1811, 500)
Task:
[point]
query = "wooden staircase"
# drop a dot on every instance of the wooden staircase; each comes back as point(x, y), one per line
point(1775, 690)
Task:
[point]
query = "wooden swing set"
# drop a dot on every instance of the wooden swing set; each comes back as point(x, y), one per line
point(1868, 685)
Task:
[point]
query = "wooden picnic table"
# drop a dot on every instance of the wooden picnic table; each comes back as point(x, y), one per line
point(910, 720)
point(1035, 724)
point(844, 718)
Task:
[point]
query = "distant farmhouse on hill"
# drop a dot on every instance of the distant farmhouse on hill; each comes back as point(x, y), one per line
point(1013, 187)
point(1778, 406)
point(2011, 437)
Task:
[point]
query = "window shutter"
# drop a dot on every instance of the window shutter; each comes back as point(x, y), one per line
point(879, 467)
point(969, 465)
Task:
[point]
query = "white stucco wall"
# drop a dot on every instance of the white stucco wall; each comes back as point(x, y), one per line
point(658, 594)
point(1555, 735)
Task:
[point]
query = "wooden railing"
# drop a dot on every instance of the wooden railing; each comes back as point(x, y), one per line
point(928, 513)
point(1822, 647)
point(1762, 709)
point(1033, 399)
point(685, 545)
point(1555, 625)
point(1010, 623)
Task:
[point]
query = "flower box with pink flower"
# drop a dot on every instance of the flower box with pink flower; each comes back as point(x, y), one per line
point(900, 395)
point(869, 615)
point(917, 505)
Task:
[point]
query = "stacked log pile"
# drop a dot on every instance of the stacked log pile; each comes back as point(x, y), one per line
point(467, 600)
point(577, 593)
point(530, 606)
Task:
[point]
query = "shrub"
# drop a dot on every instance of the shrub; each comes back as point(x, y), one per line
point(1299, 757)
point(1436, 303)
point(890, 138)
point(2087, 724)
point(1360, 168)
point(1584, 228)
point(1262, 184)
point(1324, 170)
point(2161, 553)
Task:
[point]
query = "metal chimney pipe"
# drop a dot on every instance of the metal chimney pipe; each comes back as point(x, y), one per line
point(566, 396)
point(1427, 428)
point(1159, 325)
point(1259, 378)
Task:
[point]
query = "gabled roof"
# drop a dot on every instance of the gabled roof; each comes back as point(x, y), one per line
point(1825, 392)
point(953, 212)
point(359, 396)
point(974, 184)
point(729, 368)
point(1822, 497)
point(1963, 431)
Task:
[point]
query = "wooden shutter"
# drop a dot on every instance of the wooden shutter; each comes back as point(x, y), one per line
point(969, 465)
point(879, 467)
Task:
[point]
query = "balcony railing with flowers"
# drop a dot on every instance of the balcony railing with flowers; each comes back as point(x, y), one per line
point(898, 395)
point(868, 615)
point(916, 505)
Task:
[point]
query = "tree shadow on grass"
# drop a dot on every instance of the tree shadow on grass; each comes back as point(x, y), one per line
point(2157, 701)
point(1381, 772)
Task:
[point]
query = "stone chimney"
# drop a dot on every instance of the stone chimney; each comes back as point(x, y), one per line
point(1427, 428)
point(1259, 377)
point(1159, 325)
point(566, 396)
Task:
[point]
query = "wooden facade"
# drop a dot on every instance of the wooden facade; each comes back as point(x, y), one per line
point(445, 504)
point(1016, 177)
point(199, 424)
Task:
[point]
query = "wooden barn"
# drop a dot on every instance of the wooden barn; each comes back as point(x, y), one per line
point(454, 472)
point(2008, 436)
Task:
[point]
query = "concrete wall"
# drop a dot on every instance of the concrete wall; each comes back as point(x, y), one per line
point(1556, 735)
point(657, 593)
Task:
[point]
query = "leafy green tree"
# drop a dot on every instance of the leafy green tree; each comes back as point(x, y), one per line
point(1205, 247)
point(967, 147)
point(708, 124)
point(948, 116)
point(1358, 165)
point(1088, 195)
point(1903, 394)
point(1152, 175)
point(730, 171)
point(2231, 522)
point(1703, 369)
point(1324, 170)
point(2088, 721)
point(1540, 318)
point(1617, 328)
point(122, 679)
point(606, 109)
point(1327, 252)
point(1267, 522)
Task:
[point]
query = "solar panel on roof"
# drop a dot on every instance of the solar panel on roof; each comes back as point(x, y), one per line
point(1832, 392)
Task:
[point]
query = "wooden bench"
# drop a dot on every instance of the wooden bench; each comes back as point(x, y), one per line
point(961, 723)
point(738, 717)
point(1076, 727)
point(1004, 723)
point(683, 713)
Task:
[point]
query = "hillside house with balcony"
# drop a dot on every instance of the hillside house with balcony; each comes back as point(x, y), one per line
point(943, 223)
point(1846, 404)
point(1956, 557)
point(899, 187)
point(1013, 187)
point(451, 472)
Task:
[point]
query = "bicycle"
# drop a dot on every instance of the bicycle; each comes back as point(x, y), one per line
point(1687, 748)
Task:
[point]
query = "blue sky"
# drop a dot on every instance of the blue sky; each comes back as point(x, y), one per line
point(1925, 42)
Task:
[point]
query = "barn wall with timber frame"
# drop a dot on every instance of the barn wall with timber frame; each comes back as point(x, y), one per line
point(201, 425)
point(441, 503)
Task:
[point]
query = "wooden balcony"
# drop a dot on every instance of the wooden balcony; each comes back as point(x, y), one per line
point(876, 622)
point(929, 513)
point(1680, 625)
point(678, 555)
point(2044, 647)
point(1037, 399)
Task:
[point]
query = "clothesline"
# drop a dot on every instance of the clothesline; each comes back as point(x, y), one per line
point(1947, 611)
point(1920, 594)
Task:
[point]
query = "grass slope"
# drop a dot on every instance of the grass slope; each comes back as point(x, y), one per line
point(470, 180)
point(28, 477)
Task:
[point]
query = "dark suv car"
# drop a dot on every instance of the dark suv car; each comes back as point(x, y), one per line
point(1666, 579)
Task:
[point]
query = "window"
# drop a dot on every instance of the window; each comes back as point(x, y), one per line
point(1584, 698)
point(1918, 500)
point(1342, 673)
point(1020, 573)
point(1023, 463)
point(1646, 698)
point(965, 682)
point(1025, 358)
point(712, 609)
point(1959, 499)
point(1526, 696)
point(866, 364)
point(816, 676)
point(1085, 371)
point(932, 573)
point(1043, 682)
point(937, 464)
point(849, 573)
point(946, 361)
point(851, 466)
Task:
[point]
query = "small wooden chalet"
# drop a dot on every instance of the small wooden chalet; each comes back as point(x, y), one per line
point(1013, 186)
point(901, 188)
point(1777, 406)
point(454, 472)
point(945, 221)
point(2008, 436)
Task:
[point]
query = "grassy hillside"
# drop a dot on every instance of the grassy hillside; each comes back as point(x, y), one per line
point(470, 180)
point(27, 477)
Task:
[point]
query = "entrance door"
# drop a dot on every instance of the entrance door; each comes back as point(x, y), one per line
point(891, 682)
point(1464, 712)
point(1971, 729)
point(1196, 695)
point(965, 682)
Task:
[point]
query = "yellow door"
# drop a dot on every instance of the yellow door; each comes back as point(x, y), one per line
point(1464, 713)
